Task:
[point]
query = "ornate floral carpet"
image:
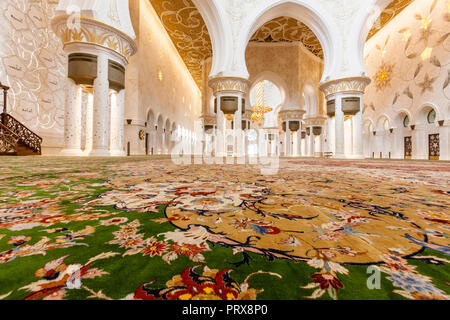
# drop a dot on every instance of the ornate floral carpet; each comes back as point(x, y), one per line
point(144, 228)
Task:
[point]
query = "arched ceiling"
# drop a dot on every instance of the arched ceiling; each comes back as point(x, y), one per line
point(188, 31)
point(284, 29)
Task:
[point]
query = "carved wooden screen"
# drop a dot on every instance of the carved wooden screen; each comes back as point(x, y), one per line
point(433, 147)
point(408, 147)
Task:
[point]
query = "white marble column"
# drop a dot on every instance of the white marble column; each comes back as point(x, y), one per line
point(328, 146)
point(295, 144)
point(348, 137)
point(101, 117)
point(306, 143)
point(339, 128)
point(72, 124)
point(420, 142)
point(319, 143)
point(220, 133)
point(311, 143)
point(89, 123)
point(358, 151)
point(299, 142)
point(444, 139)
point(288, 146)
point(117, 124)
point(238, 142)
point(398, 147)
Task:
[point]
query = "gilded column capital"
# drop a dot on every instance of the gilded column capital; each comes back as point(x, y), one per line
point(94, 32)
point(316, 121)
point(355, 85)
point(293, 114)
point(209, 119)
point(230, 84)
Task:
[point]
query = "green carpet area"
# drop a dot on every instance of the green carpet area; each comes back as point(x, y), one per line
point(145, 228)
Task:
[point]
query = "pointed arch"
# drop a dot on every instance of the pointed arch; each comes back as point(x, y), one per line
point(380, 122)
point(220, 34)
point(275, 79)
point(311, 14)
point(367, 15)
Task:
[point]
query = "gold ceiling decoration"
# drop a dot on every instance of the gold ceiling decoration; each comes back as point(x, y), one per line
point(391, 11)
point(285, 29)
point(188, 32)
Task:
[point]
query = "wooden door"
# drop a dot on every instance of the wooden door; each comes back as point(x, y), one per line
point(408, 147)
point(433, 147)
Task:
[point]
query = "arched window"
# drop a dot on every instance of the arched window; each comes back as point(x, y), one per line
point(406, 121)
point(386, 124)
point(431, 117)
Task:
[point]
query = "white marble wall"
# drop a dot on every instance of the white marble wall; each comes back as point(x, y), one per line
point(408, 61)
point(33, 64)
point(157, 80)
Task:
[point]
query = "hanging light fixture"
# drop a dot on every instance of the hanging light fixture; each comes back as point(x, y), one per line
point(260, 109)
point(259, 112)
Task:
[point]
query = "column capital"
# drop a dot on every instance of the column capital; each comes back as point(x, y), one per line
point(95, 33)
point(209, 119)
point(291, 114)
point(232, 85)
point(352, 85)
point(316, 121)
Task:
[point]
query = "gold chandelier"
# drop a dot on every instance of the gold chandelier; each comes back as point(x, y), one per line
point(259, 112)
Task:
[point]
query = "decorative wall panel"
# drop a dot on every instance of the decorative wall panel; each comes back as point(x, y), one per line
point(433, 147)
point(408, 63)
point(408, 147)
point(391, 11)
point(32, 63)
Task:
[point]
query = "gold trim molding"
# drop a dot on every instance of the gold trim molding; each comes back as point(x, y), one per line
point(95, 32)
point(345, 85)
point(234, 84)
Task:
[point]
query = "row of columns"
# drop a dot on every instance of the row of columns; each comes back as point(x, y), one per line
point(344, 122)
point(96, 70)
point(354, 129)
point(104, 127)
point(237, 88)
point(341, 133)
